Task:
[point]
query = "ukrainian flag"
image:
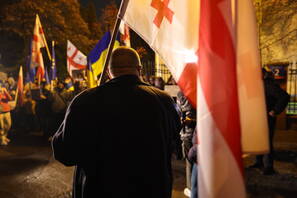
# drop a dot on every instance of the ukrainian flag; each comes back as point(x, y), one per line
point(98, 54)
point(91, 80)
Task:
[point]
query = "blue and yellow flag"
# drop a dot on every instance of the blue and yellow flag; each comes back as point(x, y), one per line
point(98, 54)
point(91, 80)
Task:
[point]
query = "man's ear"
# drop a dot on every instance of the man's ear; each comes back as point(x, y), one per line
point(139, 69)
point(109, 73)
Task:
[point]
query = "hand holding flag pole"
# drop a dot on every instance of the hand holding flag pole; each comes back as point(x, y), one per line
point(121, 13)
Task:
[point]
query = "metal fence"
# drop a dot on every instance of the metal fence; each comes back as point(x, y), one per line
point(292, 89)
point(149, 69)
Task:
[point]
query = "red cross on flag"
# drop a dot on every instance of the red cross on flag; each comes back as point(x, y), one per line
point(231, 112)
point(38, 42)
point(168, 26)
point(76, 60)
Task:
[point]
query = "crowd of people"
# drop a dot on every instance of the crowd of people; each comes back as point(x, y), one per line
point(145, 125)
point(43, 106)
point(40, 110)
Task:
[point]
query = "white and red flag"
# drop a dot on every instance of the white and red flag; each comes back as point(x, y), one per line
point(76, 60)
point(38, 42)
point(169, 28)
point(231, 108)
point(220, 155)
point(227, 76)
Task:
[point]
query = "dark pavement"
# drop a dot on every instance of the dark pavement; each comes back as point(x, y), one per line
point(284, 183)
point(28, 170)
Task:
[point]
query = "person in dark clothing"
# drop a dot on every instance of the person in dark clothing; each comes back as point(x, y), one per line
point(159, 83)
point(192, 156)
point(186, 134)
point(276, 101)
point(119, 135)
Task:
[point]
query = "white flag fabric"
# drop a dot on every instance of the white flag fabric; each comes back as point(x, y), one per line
point(253, 116)
point(170, 27)
point(76, 60)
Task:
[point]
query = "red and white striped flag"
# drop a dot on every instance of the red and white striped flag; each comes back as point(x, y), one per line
point(76, 60)
point(230, 90)
point(38, 42)
point(231, 107)
point(220, 155)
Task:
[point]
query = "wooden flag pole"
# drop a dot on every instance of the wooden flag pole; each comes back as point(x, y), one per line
point(44, 40)
point(121, 13)
point(48, 52)
point(52, 80)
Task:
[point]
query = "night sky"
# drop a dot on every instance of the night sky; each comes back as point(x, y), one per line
point(100, 3)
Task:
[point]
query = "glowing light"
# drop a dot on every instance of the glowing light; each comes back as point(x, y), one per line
point(190, 56)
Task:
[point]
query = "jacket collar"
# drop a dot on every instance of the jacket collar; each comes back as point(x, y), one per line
point(127, 79)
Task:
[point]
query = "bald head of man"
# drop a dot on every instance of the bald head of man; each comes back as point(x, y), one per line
point(124, 61)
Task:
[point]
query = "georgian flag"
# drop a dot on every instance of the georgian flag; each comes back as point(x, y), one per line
point(38, 42)
point(169, 28)
point(76, 60)
point(231, 113)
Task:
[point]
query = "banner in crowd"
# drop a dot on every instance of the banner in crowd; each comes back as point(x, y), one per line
point(38, 42)
point(76, 60)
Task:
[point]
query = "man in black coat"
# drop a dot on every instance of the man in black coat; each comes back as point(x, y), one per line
point(119, 135)
point(276, 101)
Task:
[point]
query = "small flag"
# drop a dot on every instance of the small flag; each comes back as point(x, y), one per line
point(98, 54)
point(38, 42)
point(76, 60)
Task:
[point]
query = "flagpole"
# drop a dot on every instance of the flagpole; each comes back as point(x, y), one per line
point(17, 90)
point(16, 96)
point(121, 13)
point(48, 52)
point(45, 43)
point(52, 69)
